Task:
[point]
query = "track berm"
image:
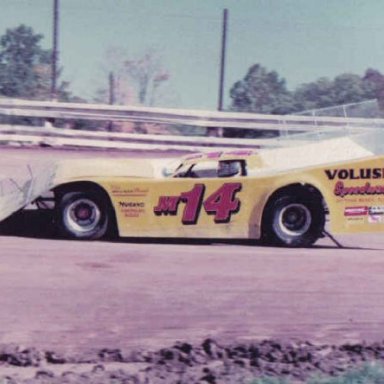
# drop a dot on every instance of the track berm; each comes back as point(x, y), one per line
point(209, 362)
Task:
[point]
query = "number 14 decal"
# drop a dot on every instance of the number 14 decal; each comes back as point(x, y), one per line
point(221, 203)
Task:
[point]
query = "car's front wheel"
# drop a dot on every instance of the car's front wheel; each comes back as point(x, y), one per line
point(294, 219)
point(82, 215)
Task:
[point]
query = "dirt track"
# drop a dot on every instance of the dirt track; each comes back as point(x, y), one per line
point(87, 294)
point(76, 296)
point(84, 294)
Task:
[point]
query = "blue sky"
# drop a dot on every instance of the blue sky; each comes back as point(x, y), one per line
point(301, 39)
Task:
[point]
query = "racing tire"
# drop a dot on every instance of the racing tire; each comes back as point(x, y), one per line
point(294, 220)
point(83, 215)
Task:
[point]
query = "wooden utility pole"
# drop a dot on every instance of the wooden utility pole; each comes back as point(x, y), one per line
point(222, 61)
point(218, 131)
point(111, 88)
point(55, 51)
point(111, 80)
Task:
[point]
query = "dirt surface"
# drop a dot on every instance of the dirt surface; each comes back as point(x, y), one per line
point(184, 363)
point(81, 295)
point(79, 298)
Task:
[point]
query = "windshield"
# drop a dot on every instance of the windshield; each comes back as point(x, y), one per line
point(171, 167)
point(211, 169)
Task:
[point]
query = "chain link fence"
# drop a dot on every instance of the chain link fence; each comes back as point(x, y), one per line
point(366, 109)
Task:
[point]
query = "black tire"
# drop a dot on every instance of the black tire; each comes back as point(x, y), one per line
point(294, 219)
point(83, 215)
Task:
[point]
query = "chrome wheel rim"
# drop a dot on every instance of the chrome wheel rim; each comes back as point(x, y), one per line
point(294, 219)
point(82, 215)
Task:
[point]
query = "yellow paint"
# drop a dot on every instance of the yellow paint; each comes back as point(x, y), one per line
point(134, 198)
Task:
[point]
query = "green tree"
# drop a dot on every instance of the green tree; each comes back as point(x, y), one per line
point(318, 94)
point(265, 92)
point(348, 88)
point(373, 84)
point(261, 91)
point(343, 89)
point(25, 67)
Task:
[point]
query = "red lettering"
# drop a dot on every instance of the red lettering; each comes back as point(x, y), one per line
point(213, 155)
point(222, 203)
point(339, 189)
point(192, 200)
point(167, 205)
point(366, 189)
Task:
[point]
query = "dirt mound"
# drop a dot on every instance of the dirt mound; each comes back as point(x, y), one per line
point(184, 363)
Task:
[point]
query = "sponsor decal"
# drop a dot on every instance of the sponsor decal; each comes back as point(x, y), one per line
point(132, 208)
point(376, 214)
point(341, 174)
point(341, 190)
point(355, 211)
point(375, 219)
point(354, 174)
point(131, 204)
point(194, 156)
point(240, 152)
point(219, 154)
point(129, 192)
point(221, 204)
point(376, 210)
point(214, 155)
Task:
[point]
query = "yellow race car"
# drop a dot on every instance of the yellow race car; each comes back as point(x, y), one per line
point(281, 196)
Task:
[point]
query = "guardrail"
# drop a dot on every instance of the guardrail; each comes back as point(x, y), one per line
point(285, 124)
point(121, 140)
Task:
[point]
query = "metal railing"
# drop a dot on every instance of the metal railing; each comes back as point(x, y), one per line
point(293, 129)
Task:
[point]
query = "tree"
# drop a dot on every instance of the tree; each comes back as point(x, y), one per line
point(148, 75)
point(373, 84)
point(25, 67)
point(265, 92)
point(348, 88)
point(318, 94)
point(261, 91)
point(136, 81)
point(322, 93)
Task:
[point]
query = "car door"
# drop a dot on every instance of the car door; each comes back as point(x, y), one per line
point(195, 203)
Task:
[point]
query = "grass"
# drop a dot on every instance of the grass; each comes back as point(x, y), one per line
point(271, 380)
point(368, 374)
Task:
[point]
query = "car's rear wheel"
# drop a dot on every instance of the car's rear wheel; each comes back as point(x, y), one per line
point(82, 215)
point(294, 219)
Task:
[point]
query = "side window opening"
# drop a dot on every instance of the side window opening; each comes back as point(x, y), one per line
point(212, 169)
point(231, 168)
point(204, 169)
point(183, 171)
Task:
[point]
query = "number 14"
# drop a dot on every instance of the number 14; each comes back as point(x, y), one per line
point(221, 203)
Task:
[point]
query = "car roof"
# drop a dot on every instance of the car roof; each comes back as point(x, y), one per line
point(251, 156)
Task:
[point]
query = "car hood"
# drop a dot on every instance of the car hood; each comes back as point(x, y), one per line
point(68, 170)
